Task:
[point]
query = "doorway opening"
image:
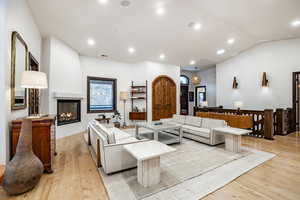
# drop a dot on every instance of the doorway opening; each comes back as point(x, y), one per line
point(163, 98)
point(184, 95)
point(296, 98)
point(200, 92)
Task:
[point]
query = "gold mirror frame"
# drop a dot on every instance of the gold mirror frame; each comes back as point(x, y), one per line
point(16, 36)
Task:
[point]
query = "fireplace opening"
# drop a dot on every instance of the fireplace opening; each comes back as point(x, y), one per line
point(68, 112)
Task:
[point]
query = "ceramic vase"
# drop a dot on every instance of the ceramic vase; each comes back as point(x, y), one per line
point(24, 171)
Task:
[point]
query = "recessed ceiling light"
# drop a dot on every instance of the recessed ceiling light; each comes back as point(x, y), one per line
point(160, 11)
point(221, 51)
point(104, 55)
point(192, 62)
point(162, 56)
point(295, 23)
point(103, 1)
point(125, 3)
point(195, 26)
point(91, 42)
point(231, 41)
point(131, 50)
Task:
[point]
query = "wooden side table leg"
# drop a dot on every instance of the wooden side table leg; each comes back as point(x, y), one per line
point(98, 154)
point(89, 138)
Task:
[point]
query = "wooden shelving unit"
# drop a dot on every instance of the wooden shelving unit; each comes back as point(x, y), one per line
point(139, 93)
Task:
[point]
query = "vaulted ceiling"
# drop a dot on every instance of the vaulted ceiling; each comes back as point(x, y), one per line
point(115, 28)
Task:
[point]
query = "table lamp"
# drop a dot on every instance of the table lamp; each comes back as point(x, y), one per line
point(204, 104)
point(34, 80)
point(238, 105)
point(124, 97)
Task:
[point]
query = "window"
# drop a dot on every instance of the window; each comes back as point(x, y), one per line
point(101, 94)
point(184, 80)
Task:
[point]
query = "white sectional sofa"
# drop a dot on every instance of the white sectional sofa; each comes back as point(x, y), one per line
point(199, 129)
point(107, 144)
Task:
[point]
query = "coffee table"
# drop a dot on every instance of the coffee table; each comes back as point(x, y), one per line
point(233, 137)
point(161, 129)
point(148, 158)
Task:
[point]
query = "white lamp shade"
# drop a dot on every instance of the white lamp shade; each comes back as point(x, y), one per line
point(204, 103)
point(124, 96)
point(238, 104)
point(34, 80)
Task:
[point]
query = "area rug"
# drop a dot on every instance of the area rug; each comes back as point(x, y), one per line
point(185, 172)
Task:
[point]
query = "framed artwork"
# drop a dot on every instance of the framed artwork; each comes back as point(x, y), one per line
point(101, 94)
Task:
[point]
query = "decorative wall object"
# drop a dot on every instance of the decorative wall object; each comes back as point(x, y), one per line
point(19, 63)
point(24, 171)
point(235, 83)
point(265, 81)
point(101, 95)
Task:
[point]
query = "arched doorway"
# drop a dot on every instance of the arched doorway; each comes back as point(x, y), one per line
point(163, 98)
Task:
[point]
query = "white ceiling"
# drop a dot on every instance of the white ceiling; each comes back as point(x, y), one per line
point(115, 28)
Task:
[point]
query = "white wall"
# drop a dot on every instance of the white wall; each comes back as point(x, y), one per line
point(65, 76)
point(208, 79)
point(125, 73)
point(68, 74)
point(278, 59)
point(14, 16)
point(3, 69)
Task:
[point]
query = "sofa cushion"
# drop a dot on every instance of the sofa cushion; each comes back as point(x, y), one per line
point(180, 119)
point(202, 132)
point(193, 121)
point(212, 123)
point(109, 135)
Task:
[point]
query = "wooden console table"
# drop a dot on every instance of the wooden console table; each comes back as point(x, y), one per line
point(43, 139)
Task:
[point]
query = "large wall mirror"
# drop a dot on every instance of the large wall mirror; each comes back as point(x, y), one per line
point(19, 63)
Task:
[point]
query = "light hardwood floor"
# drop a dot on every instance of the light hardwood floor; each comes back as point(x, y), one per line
point(76, 176)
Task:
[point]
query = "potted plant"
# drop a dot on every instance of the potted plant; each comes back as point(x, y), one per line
point(117, 117)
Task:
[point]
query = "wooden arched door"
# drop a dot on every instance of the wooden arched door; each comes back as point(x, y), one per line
point(163, 98)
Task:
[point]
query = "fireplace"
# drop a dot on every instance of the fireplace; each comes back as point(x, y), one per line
point(68, 111)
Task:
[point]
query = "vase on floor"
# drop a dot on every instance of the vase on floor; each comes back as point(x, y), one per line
point(24, 171)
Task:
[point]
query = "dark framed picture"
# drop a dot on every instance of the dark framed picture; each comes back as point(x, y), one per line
point(101, 94)
point(191, 96)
